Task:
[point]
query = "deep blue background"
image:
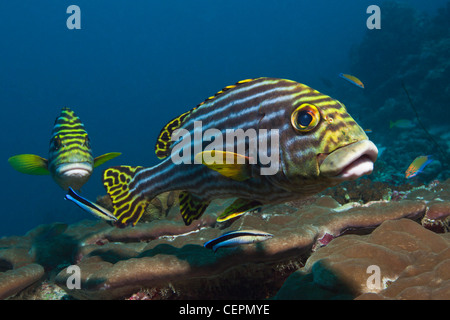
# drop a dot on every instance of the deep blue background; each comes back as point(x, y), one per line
point(135, 65)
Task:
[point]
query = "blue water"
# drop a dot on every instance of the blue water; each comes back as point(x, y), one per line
point(135, 65)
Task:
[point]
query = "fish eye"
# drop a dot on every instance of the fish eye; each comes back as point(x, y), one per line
point(87, 141)
point(305, 118)
point(56, 143)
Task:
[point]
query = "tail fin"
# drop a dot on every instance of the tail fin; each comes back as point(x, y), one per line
point(391, 124)
point(129, 206)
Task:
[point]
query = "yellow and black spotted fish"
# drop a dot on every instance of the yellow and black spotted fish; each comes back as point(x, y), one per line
point(70, 160)
point(318, 145)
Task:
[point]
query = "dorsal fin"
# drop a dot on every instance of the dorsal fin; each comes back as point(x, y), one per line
point(163, 143)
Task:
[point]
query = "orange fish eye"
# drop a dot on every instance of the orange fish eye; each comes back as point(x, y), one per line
point(305, 118)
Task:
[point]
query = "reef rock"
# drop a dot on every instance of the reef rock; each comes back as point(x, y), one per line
point(165, 256)
point(164, 259)
point(399, 260)
point(14, 281)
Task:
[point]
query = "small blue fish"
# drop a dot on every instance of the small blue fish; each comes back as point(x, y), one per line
point(236, 238)
point(89, 206)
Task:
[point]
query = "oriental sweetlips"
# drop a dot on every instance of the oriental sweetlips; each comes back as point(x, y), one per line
point(70, 161)
point(314, 144)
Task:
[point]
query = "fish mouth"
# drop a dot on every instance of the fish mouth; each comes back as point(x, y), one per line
point(75, 169)
point(349, 162)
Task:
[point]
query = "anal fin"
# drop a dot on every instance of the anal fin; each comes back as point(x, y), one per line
point(191, 207)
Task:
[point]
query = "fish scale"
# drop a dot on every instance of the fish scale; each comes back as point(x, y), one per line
point(262, 105)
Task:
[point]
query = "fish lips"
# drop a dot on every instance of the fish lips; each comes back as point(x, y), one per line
point(349, 162)
point(74, 169)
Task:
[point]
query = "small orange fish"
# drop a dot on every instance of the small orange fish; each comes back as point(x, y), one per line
point(352, 79)
point(417, 166)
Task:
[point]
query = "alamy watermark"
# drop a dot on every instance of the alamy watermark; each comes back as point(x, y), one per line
point(373, 282)
point(261, 146)
point(74, 280)
point(374, 20)
point(74, 20)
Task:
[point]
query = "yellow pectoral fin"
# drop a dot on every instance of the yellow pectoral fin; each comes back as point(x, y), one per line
point(238, 208)
point(105, 157)
point(228, 164)
point(29, 164)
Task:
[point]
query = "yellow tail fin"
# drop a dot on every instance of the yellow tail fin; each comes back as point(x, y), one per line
point(129, 206)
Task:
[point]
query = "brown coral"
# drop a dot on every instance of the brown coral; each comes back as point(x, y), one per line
point(165, 259)
point(414, 263)
point(120, 269)
point(14, 281)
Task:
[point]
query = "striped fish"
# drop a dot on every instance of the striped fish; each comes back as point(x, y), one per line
point(90, 207)
point(70, 161)
point(319, 145)
point(236, 238)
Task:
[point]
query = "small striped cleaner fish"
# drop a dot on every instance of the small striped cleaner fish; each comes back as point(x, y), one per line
point(70, 161)
point(318, 144)
point(236, 238)
point(90, 207)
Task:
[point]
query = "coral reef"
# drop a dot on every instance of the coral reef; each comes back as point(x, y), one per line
point(15, 280)
point(164, 259)
point(362, 190)
point(413, 263)
point(117, 269)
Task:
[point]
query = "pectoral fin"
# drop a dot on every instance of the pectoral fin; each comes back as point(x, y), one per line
point(29, 164)
point(237, 208)
point(105, 157)
point(228, 164)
